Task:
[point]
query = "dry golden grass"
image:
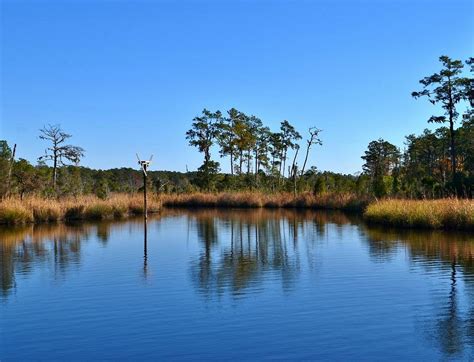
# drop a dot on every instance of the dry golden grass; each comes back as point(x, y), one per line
point(34, 209)
point(257, 200)
point(431, 214)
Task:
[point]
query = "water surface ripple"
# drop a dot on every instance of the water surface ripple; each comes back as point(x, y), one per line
point(235, 284)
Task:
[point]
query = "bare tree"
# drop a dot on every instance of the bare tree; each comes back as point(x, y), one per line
point(313, 140)
point(293, 165)
point(59, 152)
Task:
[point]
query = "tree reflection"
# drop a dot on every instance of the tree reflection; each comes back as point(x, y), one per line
point(450, 325)
point(252, 243)
point(240, 249)
point(24, 249)
point(450, 252)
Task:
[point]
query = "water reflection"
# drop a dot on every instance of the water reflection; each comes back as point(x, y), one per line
point(240, 253)
point(268, 240)
point(145, 249)
point(433, 249)
point(250, 243)
point(450, 325)
point(253, 243)
point(25, 249)
point(437, 250)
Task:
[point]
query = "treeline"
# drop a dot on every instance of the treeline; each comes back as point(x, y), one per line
point(433, 164)
point(73, 180)
point(258, 157)
point(423, 168)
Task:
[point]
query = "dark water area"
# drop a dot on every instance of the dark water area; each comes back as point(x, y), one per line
point(235, 285)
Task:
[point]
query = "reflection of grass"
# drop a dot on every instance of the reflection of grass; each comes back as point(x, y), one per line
point(428, 244)
point(431, 214)
point(257, 216)
point(34, 209)
point(257, 200)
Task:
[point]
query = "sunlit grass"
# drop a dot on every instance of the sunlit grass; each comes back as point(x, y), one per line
point(35, 209)
point(258, 199)
point(432, 214)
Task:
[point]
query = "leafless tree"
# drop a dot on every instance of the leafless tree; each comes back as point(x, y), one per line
point(59, 153)
point(313, 140)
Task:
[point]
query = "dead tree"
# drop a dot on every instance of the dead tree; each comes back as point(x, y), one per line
point(59, 153)
point(313, 140)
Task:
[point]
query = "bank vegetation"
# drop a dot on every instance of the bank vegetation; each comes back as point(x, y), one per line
point(36, 210)
point(429, 214)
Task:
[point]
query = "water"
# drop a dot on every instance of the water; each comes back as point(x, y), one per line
point(247, 285)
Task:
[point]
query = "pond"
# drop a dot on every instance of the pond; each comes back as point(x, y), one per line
point(235, 284)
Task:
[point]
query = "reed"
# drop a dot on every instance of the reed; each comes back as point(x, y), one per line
point(258, 200)
point(35, 209)
point(429, 214)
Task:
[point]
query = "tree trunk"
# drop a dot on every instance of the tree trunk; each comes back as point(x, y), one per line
point(294, 180)
point(451, 130)
point(281, 165)
point(241, 161)
point(306, 158)
point(256, 165)
point(248, 162)
point(453, 150)
point(293, 169)
point(55, 169)
point(12, 160)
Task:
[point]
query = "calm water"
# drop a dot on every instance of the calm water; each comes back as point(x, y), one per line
point(235, 285)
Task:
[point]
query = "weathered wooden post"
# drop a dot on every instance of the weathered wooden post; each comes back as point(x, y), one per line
point(144, 166)
point(145, 207)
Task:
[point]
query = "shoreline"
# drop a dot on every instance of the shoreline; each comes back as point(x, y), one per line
point(442, 214)
point(255, 200)
point(34, 210)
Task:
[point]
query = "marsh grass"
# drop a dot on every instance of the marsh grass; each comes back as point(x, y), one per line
point(258, 200)
point(34, 209)
point(428, 214)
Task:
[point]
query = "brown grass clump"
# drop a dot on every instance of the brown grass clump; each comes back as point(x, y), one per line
point(35, 209)
point(430, 214)
point(15, 212)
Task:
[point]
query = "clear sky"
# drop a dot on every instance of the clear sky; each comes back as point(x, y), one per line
point(129, 76)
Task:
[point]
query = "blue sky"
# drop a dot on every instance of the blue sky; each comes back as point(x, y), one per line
point(129, 76)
